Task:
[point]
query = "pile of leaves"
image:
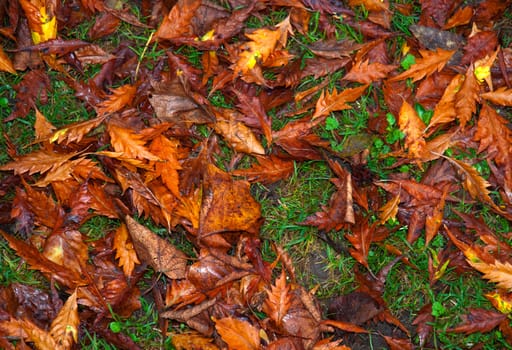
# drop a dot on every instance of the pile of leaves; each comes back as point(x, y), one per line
point(157, 148)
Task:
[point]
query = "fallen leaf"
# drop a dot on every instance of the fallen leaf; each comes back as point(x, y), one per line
point(156, 251)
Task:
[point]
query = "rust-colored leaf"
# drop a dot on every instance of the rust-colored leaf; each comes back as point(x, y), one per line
point(268, 170)
point(129, 143)
point(5, 63)
point(239, 136)
point(467, 97)
point(365, 73)
point(430, 62)
point(177, 21)
point(501, 96)
point(478, 320)
point(389, 210)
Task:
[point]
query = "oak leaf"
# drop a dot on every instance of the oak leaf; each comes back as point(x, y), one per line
point(238, 334)
point(428, 64)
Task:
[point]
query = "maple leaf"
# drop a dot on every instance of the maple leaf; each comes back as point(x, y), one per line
point(125, 251)
point(330, 102)
point(413, 128)
point(263, 43)
point(121, 97)
point(278, 300)
point(501, 96)
point(238, 334)
point(428, 64)
point(127, 141)
point(365, 73)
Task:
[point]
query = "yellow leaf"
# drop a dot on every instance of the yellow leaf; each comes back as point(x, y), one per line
point(41, 19)
point(501, 301)
point(5, 63)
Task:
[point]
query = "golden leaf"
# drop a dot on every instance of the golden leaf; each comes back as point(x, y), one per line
point(64, 328)
point(125, 251)
point(413, 128)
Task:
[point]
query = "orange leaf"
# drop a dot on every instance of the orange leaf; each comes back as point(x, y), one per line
point(41, 19)
point(433, 222)
point(43, 128)
point(330, 102)
point(125, 251)
point(428, 64)
point(64, 328)
point(167, 150)
point(73, 133)
point(501, 96)
point(178, 21)
point(129, 143)
point(238, 334)
point(278, 300)
point(413, 128)
point(37, 162)
point(366, 73)
point(192, 340)
point(467, 98)
point(5, 63)
point(121, 97)
point(497, 272)
point(444, 111)
point(263, 43)
point(461, 17)
point(389, 210)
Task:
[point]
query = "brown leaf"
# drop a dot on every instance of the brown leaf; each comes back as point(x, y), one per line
point(330, 102)
point(365, 73)
point(389, 210)
point(361, 238)
point(192, 341)
point(238, 334)
point(445, 111)
point(478, 320)
point(423, 323)
point(461, 17)
point(156, 251)
point(428, 64)
point(269, 169)
point(494, 135)
point(236, 133)
point(74, 133)
point(398, 343)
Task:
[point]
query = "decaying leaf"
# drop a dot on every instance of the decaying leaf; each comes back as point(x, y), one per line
point(156, 251)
